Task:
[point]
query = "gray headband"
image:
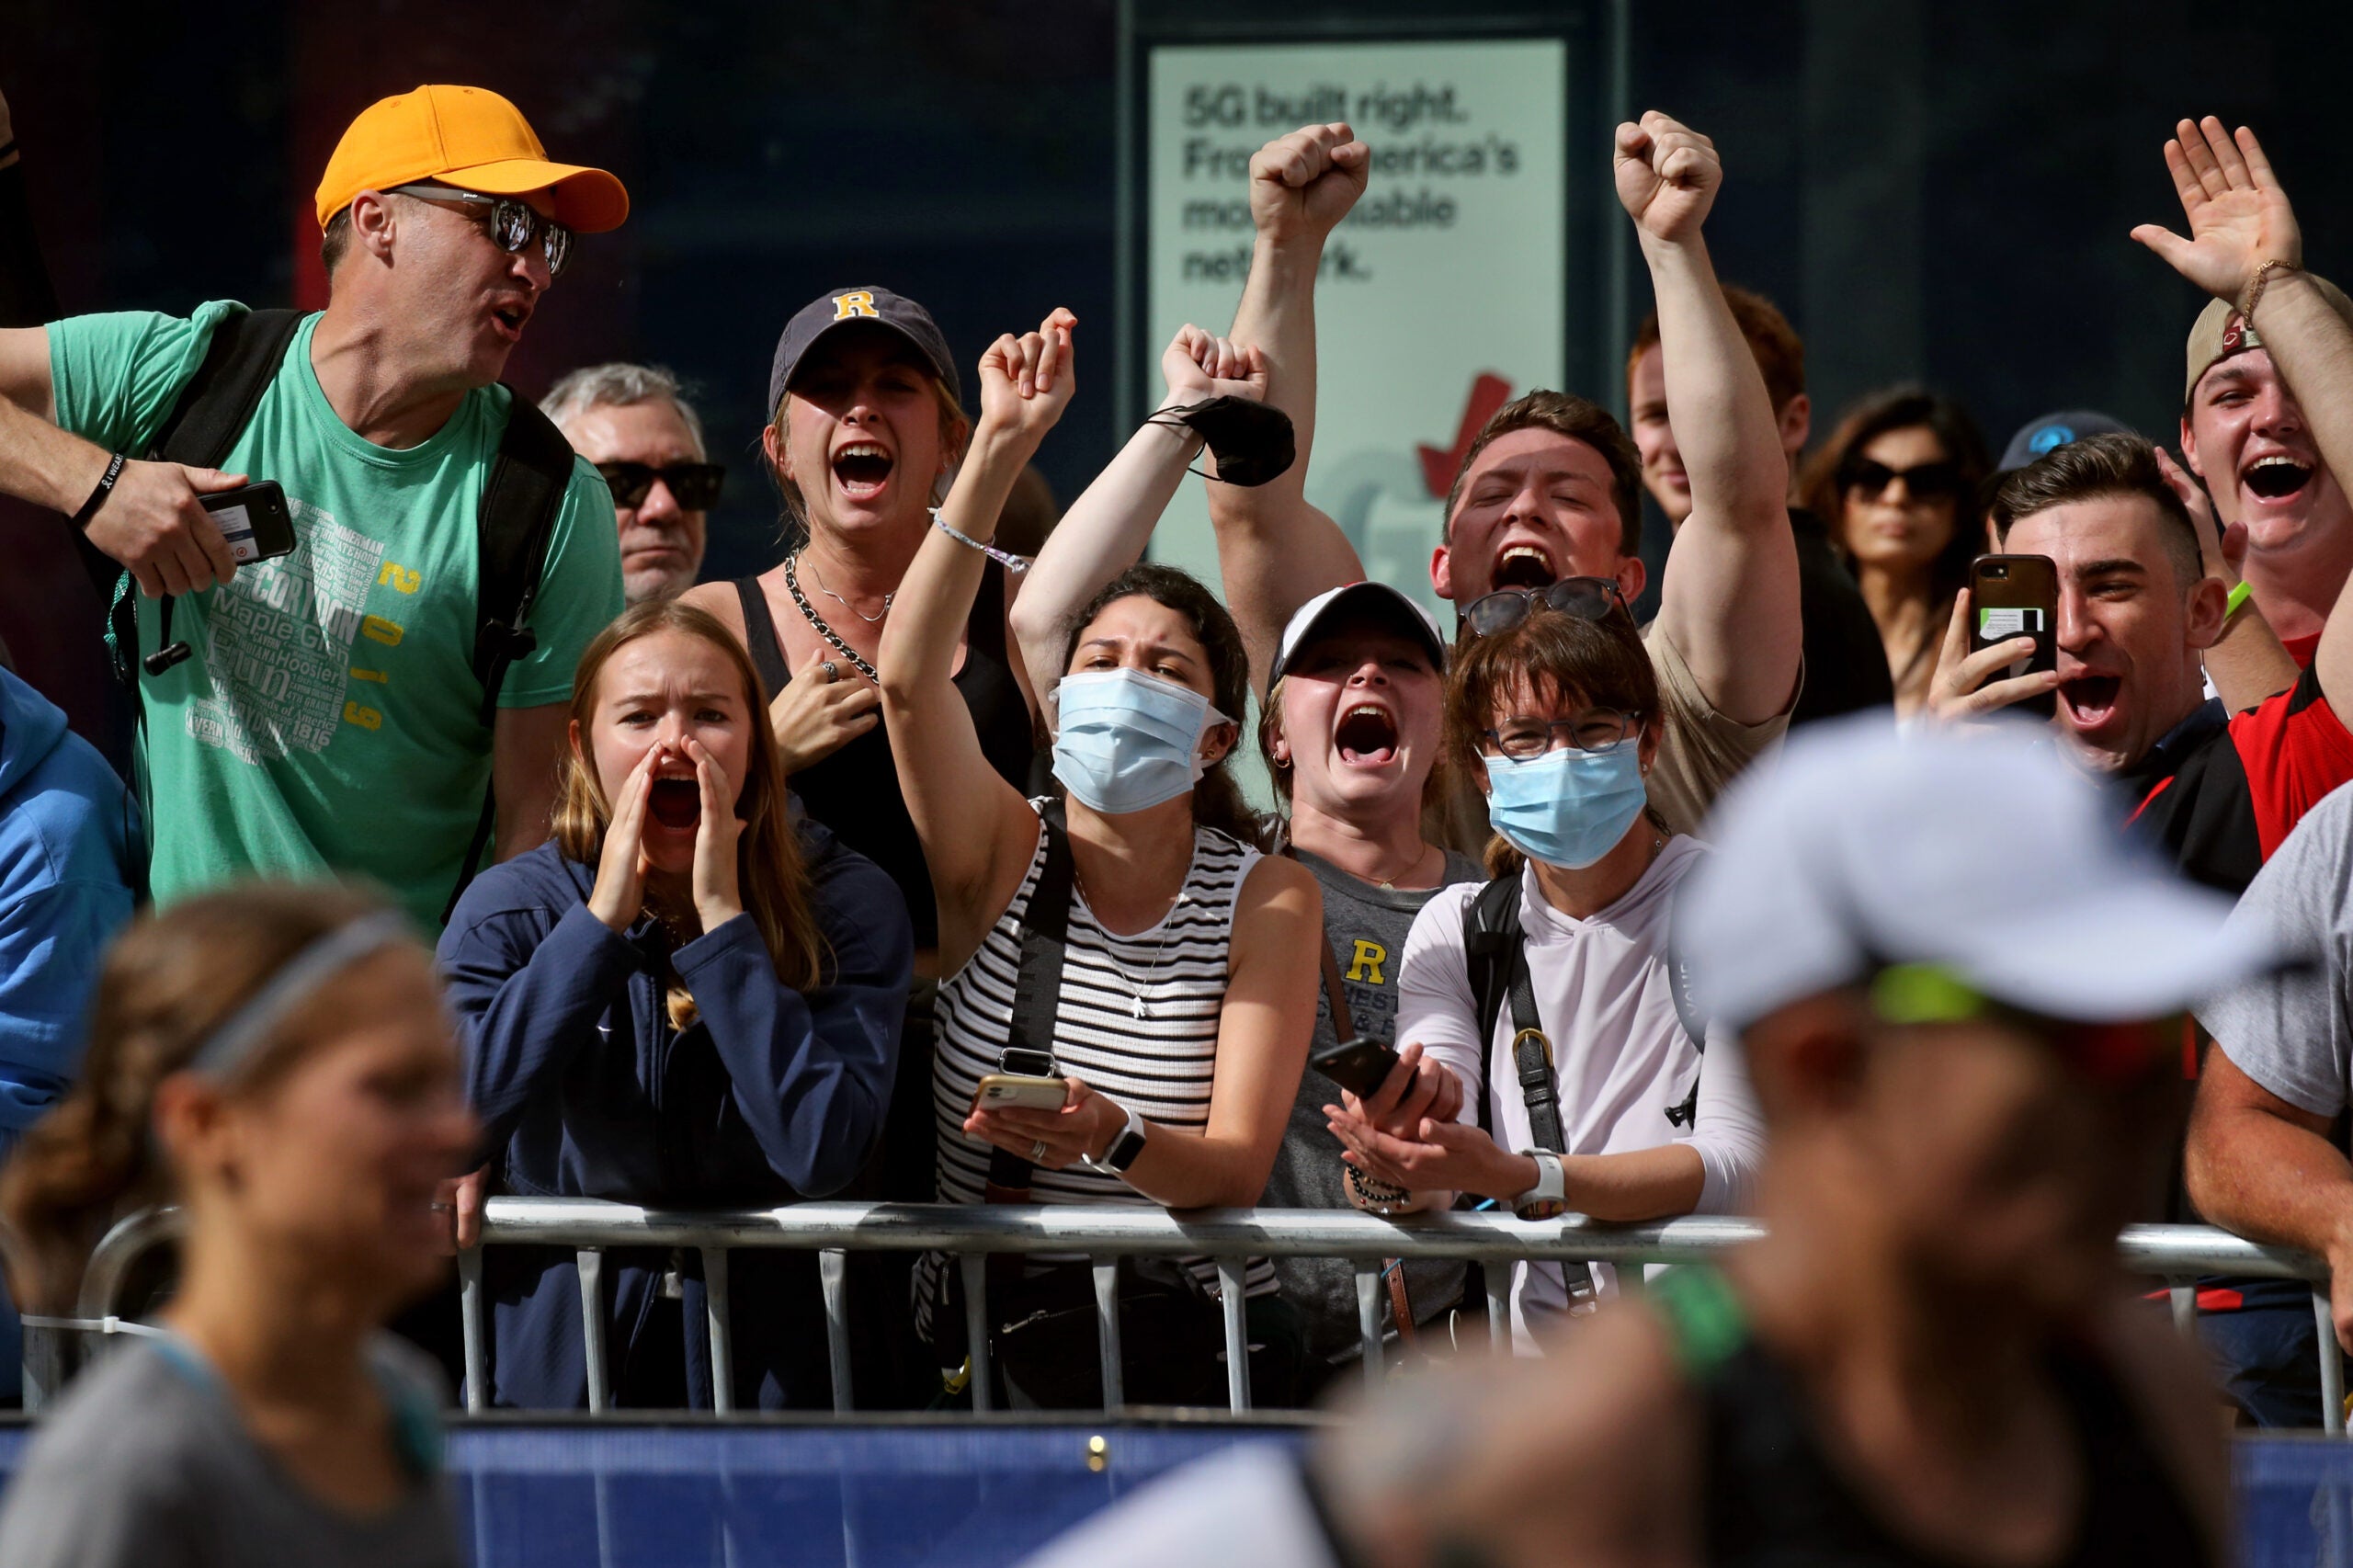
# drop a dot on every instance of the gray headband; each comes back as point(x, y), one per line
point(226, 1048)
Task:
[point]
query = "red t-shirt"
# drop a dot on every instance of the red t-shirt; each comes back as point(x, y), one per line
point(2222, 791)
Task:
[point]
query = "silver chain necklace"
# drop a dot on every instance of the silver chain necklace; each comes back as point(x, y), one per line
point(861, 615)
point(1140, 1008)
point(800, 601)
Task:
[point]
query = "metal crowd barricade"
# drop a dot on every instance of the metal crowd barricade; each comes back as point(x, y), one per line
point(2176, 1254)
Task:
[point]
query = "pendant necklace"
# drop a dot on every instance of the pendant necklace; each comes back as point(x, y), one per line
point(861, 615)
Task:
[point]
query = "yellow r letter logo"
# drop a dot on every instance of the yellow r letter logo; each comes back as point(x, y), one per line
point(858, 302)
point(400, 577)
point(1368, 956)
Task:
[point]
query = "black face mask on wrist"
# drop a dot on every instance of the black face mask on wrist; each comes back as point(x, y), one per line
point(1252, 441)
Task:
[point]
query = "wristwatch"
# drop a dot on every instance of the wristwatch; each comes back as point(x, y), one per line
point(1550, 1197)
point(1124, 1148)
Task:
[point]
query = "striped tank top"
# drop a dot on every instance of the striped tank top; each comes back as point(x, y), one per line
point(1137, 1020)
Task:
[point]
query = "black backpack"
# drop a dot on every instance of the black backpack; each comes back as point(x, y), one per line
point(1496, 950)
point(512, 527)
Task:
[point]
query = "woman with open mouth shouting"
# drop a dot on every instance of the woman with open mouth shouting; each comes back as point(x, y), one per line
point(691, 999)
point(1129, 985)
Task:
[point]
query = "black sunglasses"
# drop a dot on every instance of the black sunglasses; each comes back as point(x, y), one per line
point(1587, 599)
point(695, 486)
point(511, 220)
point(1921, 478)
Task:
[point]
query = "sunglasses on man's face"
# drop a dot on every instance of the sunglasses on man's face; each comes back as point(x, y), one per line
point(694, 486)
point(1921, 478)
point(510, 220)
point(1587, 599)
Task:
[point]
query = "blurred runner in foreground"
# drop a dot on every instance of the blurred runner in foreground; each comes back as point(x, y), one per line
point(1958, 996)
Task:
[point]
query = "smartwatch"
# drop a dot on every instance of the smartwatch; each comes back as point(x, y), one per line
point(1124, 1148)
point(1550, 1197)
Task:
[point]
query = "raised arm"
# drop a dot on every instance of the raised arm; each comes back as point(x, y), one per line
point(1107, 528)
point(1728, 597)
point(2240, 224)
point(975, 828)
point(1274, 551)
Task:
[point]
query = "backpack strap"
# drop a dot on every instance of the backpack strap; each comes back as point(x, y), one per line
point(1037, 990)
point(212, 410)
point(520, 503)
point(1492, 945)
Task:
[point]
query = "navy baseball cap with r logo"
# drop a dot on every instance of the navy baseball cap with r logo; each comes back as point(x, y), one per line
point(846, 307)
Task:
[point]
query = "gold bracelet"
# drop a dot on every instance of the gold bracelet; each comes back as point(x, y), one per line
point(2260, 281)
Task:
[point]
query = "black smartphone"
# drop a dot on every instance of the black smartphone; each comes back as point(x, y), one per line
point(2018, 596)
point(255, 521)
point(1359, 1065)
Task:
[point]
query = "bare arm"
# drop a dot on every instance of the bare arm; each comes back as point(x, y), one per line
point(152, 523)
point(1275, 551)
point(526, 745)
point(1729, 595)
point(976, 830)
point(1106, 530)
point(2239, 218)
point(2265, 1169)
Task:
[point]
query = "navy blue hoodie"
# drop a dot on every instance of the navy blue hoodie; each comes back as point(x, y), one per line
point(769, 1097)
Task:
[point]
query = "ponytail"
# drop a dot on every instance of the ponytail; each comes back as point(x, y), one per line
point(167, 983)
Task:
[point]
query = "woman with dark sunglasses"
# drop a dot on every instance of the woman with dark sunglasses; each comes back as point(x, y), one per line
point(1555, 711)
point(1897, 481)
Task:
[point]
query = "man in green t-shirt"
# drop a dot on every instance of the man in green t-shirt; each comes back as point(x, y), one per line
point(329, 717)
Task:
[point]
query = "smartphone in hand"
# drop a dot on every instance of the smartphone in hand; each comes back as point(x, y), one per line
point(1010, 1091)
point(1359, 1066)
point(253, 518)
point(2018, 596)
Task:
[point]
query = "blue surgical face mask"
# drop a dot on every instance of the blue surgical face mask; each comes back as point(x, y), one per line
point(1568, 807)
point(1126, 741)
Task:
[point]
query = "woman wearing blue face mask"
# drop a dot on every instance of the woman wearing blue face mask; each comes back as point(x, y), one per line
point(1135, 979)
point(1555, 709)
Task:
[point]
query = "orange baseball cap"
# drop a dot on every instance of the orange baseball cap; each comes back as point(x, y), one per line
point(467, 137)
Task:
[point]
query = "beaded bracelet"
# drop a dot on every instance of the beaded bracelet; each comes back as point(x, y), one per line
point(1381, 1196)
point(1004, 558)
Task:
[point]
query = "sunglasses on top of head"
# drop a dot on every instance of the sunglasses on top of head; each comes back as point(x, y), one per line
point(1941, 478)
point(510, 220)
point(1587, 599)
point(694, 486)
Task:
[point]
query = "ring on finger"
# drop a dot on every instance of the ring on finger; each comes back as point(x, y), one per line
point(1038, 1152)
point(833, 671)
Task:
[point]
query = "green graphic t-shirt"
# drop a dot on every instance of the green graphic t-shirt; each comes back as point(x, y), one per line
point(330, 719)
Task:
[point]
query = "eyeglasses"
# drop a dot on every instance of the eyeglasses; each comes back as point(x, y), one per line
point(1921, 478)
point(1596, 729)
point(1587, 599)
point(695, 486)
point(511, 220)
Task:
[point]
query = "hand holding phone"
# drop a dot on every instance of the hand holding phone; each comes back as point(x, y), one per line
point(254, 521)
point(1010, 1091)
point(1359, 1065)
point(2001, 649)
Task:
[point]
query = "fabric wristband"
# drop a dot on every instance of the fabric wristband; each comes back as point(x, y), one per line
point(99, 496)
point(2239, 596)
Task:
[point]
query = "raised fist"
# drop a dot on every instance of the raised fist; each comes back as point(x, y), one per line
point(2239, 218)
point(1198, 367)
point(1026, 382)
point(1304, 184)
point(1668, 177)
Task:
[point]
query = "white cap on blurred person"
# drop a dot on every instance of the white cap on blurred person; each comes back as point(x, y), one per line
point(1987, 856)
point(1369, 600)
